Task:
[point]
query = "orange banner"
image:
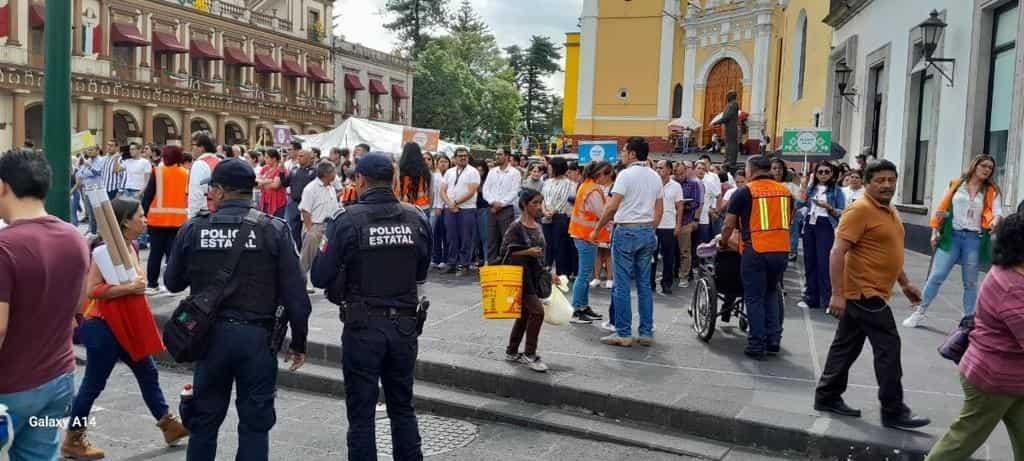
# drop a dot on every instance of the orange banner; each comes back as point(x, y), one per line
point(426, 138)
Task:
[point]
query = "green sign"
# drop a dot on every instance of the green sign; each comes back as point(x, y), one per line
point(809, 142)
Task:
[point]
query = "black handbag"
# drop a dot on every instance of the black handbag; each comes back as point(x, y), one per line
point(187, 333)
point(954, 347)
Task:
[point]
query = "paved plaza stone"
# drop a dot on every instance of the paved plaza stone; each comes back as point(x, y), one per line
point(706, 389)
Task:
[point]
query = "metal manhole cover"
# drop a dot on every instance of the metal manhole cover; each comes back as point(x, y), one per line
point(439, 435)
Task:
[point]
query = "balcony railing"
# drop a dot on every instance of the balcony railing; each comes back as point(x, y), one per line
point(285, 25)
point(262, 20)
point(241, 13)
point(359, 51)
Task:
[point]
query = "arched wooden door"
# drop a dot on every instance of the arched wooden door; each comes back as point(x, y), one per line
point(726, 76)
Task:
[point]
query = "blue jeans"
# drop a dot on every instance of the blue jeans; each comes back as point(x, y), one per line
point(440, 249)
point(581, 287)
point(130, 194)
point(794, 230)
point(966, 251)
point(818, 240)
point(239, 355)
point(50, 400)
point(480, 243)
point(382, 351)
point(293, 217)
point(76, 203)
point(103, 352)
point(459, 228)
point(633, 248)
point(762, 274)
point(89, 213)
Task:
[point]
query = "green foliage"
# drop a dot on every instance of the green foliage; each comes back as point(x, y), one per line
point(412, 20)
point(531, 66)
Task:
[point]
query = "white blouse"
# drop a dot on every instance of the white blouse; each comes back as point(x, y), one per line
point(967, 210)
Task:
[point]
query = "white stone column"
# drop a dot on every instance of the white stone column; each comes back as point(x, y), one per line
point(588, 60)
point(668, 38)
point(760, 75)
point(689, 72)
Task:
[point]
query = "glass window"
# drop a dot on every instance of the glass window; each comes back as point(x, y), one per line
point(801, 58)
point(925, 115)
point(1001, 78)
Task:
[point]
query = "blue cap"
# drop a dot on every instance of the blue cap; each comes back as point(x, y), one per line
point(376, 165)
point(234, 173)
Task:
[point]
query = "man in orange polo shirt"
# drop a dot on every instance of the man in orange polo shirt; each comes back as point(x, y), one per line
point(866, 260)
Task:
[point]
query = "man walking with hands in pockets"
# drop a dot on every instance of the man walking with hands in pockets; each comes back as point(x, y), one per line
point(866, 260)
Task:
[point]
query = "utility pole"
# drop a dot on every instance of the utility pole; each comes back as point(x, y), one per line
point(57, 105)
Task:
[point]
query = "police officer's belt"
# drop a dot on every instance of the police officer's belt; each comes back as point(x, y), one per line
point(268, 324)
point(390, 313)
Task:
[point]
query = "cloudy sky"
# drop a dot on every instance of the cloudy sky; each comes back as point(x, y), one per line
point(512, 21)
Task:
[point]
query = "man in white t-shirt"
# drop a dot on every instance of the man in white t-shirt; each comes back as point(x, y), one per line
point(669, 229)
point(137, 172)
point(712, 189)
point(458, 191)
point(636, 205)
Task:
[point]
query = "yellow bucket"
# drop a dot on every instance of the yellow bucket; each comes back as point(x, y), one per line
point(502, 288)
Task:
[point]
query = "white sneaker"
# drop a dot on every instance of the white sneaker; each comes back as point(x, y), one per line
point(915, 319)
point(442, 266)
point(595, 283)
point(802, 305)
point(684, 283)
point(609, 284)
point(608, 327)
point(150, 291)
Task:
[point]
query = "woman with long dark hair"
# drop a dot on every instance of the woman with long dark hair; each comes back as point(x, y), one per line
point(106, 345)
point(482, 216)
point(824, 204)
point(961, 233)
point(557, 190)
point(992, 369)
point(414, 177)
point(441, 164)
point(270, 181)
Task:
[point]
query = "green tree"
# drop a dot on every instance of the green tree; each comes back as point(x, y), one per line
point(412, 20)
point(531, 66)
point(473, 42)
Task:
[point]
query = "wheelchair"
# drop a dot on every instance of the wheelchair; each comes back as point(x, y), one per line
point(718, 281)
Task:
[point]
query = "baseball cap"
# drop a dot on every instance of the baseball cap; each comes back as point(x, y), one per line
point(234, 173)
point(376, 165)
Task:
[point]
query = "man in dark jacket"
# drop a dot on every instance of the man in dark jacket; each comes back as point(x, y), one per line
point(731, 120)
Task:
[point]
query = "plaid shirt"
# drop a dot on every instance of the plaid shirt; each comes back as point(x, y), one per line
point(693, 191)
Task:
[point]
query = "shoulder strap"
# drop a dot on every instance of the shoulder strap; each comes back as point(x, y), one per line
point(251, 220)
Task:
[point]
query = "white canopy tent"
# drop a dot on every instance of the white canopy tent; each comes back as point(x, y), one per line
point(380, 136)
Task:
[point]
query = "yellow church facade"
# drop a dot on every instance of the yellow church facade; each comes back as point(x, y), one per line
point(636, 65)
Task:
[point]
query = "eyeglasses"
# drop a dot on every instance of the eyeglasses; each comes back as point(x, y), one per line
point(824, 171)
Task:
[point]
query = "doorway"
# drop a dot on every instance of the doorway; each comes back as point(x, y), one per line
point(724, 77)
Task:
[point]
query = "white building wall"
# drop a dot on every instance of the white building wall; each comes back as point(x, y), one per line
point(891, 22)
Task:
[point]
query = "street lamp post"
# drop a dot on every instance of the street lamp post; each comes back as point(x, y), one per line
point(57, 105)
point(843, 74)
point(931, 33)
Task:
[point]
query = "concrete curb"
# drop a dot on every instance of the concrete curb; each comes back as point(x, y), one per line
point(721, 420)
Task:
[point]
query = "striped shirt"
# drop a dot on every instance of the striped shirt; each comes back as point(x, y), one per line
point(113, 181)
point(556, 192)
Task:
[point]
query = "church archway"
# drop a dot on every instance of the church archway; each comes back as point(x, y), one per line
point(725, 76)
point(164, 129)
point(126, 128)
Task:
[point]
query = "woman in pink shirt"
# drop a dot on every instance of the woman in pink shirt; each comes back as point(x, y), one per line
point(273, 197)
point(992, 369)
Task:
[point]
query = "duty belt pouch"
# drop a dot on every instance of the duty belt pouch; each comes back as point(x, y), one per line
point(280, 329)
point(421, 315)
point(186, 334)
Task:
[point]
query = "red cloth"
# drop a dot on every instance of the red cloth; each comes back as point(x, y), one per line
point(131, 320)
point(272, 200)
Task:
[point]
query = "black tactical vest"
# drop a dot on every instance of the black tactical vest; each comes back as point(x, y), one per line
point(253, 285)
point(384, 273)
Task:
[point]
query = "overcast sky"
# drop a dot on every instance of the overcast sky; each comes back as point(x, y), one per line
point(512, 21)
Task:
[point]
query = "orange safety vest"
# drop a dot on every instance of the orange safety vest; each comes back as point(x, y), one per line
point(170, 203)
point(771, 212)
point(583, 222)
point(350, 195)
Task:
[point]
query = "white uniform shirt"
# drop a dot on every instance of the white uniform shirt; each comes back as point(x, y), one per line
point(137, 171)
point(196, 190)
point(319, 200)
point(457, 185)
point(712, 189)
point(639, 187)
point(502, 186)
point(672, 193)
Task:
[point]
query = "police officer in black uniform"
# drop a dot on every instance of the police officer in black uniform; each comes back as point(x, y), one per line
point(373, 256)
point(267, 276)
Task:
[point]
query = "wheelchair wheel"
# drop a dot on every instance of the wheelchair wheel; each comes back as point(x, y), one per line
point(705, 308)
point(741, 312)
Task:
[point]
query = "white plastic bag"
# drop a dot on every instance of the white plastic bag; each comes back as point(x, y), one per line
point(557, 309)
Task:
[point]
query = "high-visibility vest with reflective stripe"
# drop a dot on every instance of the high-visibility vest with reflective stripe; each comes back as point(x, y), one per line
point(582, 223)
point(170, 203)
point(771, 213)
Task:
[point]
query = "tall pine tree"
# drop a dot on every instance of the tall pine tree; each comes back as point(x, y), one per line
point(412, 19)
point(531, 67)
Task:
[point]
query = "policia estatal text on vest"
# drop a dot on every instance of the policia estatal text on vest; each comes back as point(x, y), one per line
point(373, 256)
point(240, 349)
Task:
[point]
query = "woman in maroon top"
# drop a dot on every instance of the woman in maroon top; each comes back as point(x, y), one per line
point(992, 369)
point(273, 197)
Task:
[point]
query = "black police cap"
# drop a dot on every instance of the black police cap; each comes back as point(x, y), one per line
point(376, 165)
point(234, 173)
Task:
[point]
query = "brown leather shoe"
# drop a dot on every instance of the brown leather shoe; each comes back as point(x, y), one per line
point(77, 447)
point(172, 428)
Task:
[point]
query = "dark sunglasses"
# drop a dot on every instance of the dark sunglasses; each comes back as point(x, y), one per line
point(824, 171)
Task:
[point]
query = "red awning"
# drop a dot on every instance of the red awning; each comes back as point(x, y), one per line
point(398, 92)
point(291, 68)
point(352, 83)
point(377, 87)
point(317, 74)
point(203, 49)
point(126, 34)
point(37, 16)
point(265, 64)
point(166, 42)
point(234, 56)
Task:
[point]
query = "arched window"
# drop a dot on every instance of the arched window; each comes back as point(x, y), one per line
point(800, 56)
point(677, 101)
